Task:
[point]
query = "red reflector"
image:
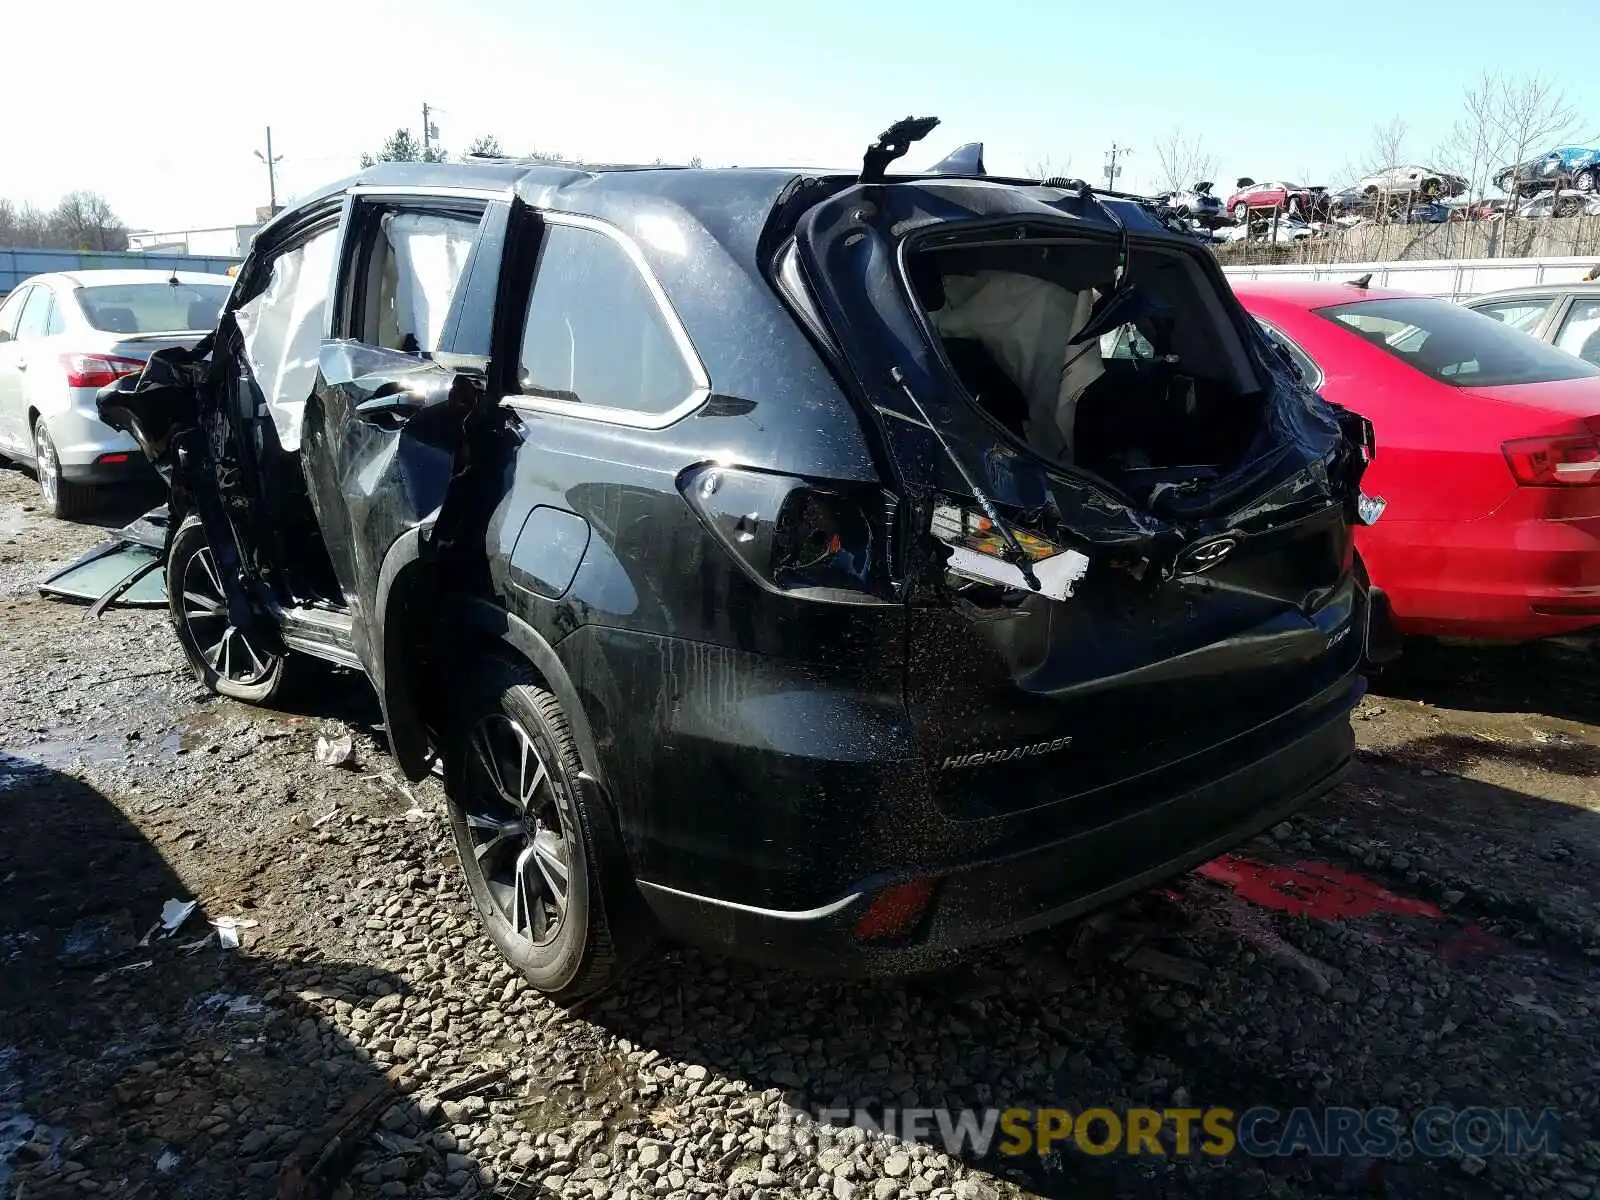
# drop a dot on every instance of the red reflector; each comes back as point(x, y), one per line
point(112, 458)
point(97, 370)
point(1554, 461)
point(895, 909)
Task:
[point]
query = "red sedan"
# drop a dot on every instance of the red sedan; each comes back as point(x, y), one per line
point(1488, 456)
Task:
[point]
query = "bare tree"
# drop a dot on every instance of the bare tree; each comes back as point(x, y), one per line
point(85, 221)
point(1529, 114)
point(1387, 147)
point(1183, 161)
point(1050, 167)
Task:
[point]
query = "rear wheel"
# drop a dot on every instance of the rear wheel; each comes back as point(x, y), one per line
point(541, 855)
point(61, 498)
point(222, 656)
point(1587, 180)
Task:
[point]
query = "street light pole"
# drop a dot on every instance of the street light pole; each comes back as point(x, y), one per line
point(272, 171)
point(425, 129)
point(1112, 170)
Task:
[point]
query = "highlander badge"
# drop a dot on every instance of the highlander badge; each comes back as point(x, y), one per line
point(984, 757)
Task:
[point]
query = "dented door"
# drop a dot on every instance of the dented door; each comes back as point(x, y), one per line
point(1176, 634)
point(386, 433)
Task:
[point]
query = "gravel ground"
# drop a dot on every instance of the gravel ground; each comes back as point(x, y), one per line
point(1447, 954)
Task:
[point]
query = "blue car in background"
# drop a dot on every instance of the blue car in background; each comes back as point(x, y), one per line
point(1564, 167)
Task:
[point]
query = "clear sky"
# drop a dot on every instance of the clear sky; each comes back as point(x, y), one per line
point(159, 107)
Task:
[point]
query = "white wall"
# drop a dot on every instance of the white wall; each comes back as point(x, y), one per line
point(1454, 279)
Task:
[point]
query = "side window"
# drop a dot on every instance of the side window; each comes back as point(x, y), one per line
point(412, 270)
point(54, 322)
point(35, 322)
point(1580, 330)
point(1524, 313)
point(11, 313)
point(594, 332)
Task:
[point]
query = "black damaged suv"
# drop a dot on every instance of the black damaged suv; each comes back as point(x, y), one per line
point(846, 569)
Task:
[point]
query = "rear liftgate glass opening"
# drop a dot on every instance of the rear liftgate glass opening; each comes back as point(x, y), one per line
point(1129, 370)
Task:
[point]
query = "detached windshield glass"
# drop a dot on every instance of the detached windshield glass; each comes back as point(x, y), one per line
point(1455, 345)
point(153, 307)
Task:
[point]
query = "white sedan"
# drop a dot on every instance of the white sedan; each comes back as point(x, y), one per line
point(62, 338)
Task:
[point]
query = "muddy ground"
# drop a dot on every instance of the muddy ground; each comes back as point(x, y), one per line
point(1428, 935)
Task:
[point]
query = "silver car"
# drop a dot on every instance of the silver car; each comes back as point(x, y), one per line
point(62, 338)
point(1566, 315)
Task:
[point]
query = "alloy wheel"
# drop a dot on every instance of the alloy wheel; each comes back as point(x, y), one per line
point(522, 829)
point(47, 466)
point(220, 642)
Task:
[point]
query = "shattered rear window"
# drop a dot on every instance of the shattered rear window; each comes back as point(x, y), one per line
point(152, 307)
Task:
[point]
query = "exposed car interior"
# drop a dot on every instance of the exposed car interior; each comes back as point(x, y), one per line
point(1140, 384)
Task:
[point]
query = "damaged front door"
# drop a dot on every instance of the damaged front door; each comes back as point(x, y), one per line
point(385, 433)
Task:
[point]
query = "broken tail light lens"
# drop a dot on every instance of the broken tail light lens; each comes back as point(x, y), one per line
point(828, 541)
point(97, 370)
point(979, 551)
point(1563, 461)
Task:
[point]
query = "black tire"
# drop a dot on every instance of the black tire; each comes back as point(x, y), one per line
point(516, 840)
point(62, 499)
point(1587, 180)
point(219, 654)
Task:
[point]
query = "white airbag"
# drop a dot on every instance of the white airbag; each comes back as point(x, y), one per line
point(430, 255)
point(282, 329)
point(1025, 323)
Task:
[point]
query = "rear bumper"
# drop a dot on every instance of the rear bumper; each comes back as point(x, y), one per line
point(1494, 579)
point(81, 438)
point(135, 470)
point(988, 899)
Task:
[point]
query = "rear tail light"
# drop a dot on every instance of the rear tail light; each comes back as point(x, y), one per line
point(1561, 461)
point(828, 541)
point(97, 370)
point(112, 460)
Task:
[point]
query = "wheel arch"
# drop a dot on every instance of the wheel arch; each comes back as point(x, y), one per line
point(398, 630)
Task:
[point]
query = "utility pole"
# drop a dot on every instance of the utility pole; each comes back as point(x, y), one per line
point(429, 132)
point(272, 171)
point(1112, 170)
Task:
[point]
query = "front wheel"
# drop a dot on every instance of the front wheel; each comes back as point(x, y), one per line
point(222, 656)
point(1587, 180)
point(541, 855)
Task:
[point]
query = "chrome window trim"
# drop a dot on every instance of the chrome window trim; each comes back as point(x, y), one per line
point(400, 191)
point(610, 414)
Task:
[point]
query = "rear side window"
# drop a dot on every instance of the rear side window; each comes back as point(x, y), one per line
point(1455, 345)
point(1580, 330)
point(595, 333)
point(35, 322)
point(1522, 314)
point(153, 307)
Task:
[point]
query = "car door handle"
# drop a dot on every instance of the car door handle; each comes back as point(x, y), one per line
point(22, 364)
point(396, 408)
